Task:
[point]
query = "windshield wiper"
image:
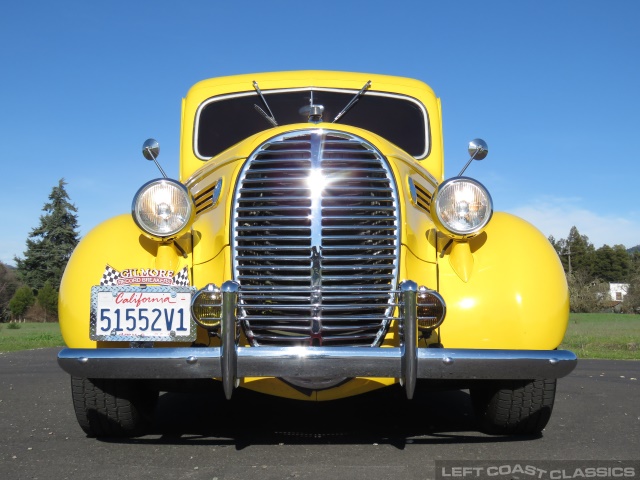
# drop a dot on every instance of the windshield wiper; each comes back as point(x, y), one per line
point(353, 100)
point(270, 117)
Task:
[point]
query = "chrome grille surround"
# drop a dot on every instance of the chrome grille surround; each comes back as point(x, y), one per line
point(315, 241)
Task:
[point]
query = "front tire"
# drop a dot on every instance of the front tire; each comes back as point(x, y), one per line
point(521, 407)
point(113, 408)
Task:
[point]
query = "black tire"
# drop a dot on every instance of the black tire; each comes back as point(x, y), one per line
point(520, 407)
point(113, 408)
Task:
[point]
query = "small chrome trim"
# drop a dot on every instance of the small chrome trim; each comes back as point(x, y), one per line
point(413, 194)
point(208, 198)
point(229, 337)
point(408, 348)
point(423, 198)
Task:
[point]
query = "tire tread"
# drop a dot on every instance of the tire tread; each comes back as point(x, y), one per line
point(112, 408)
point(514, 407)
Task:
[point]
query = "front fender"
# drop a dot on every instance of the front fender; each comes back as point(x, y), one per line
point(118, 243)
point(508, 289)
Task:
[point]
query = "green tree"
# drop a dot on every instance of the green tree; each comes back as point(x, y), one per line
point(612, 264)
point(579, 252)
point(576, 252)
point(49, 245)
point(48, 300)
point(21, 301)
point(8, 286)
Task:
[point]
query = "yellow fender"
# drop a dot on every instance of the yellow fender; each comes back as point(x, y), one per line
point(118, 243)
point(504, 289)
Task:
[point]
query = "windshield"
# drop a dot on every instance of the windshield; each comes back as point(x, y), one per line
point(226, 120)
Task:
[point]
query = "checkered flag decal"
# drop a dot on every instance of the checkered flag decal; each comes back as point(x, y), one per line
point(109, 277)
point(181, 278)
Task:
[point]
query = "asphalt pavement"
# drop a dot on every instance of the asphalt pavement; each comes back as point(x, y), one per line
point(377, 436)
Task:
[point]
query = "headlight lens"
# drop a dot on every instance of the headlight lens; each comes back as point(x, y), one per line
point(162, 208)
point(463, 207)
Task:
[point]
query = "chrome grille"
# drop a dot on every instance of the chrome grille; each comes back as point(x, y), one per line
point(316, 241)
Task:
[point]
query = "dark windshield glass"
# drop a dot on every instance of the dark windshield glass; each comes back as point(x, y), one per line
point(225, 121)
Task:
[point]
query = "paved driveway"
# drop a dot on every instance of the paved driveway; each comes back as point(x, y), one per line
point(597, 416)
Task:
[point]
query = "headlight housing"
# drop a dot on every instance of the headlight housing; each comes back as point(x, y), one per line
point(462, 207)
point(163, 208)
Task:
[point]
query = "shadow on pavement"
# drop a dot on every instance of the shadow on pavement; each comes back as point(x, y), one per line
point(381, 417)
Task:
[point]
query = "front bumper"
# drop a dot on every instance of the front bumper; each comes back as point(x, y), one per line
point(307, 362)
point(232, 362)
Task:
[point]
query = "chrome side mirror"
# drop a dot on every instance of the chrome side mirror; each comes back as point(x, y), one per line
point(150, 151)
point(478, 150)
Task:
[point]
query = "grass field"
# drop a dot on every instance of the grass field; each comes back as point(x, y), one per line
point(603, 335)
point(26, 336)
point(590, 335)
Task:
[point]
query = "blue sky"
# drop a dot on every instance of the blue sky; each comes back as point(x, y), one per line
point(552, 86)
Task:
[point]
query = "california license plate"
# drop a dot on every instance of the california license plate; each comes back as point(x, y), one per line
point(129, 313)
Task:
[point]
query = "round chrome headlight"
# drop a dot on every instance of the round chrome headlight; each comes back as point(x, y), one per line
point(162, 208)
point(463, 207)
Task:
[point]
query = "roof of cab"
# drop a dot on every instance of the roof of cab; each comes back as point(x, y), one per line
point(309, 78)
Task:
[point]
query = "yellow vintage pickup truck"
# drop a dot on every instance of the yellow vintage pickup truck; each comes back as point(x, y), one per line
point(313, 249)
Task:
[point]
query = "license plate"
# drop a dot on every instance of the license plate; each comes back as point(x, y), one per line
point(158, 314)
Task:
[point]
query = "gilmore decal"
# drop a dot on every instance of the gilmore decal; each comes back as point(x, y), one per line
point(144, 276)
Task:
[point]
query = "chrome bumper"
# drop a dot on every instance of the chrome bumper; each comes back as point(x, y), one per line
point(231, 362)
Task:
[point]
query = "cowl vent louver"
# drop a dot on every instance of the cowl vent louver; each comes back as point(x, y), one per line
point(316, 241)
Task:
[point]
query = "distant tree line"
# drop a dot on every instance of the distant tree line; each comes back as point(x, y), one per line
point(589, 272)
point(31, 290)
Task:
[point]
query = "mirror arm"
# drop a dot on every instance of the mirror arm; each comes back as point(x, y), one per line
point(466, 166)
point(478, 150)
point(150, 151)
point(156, 162)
